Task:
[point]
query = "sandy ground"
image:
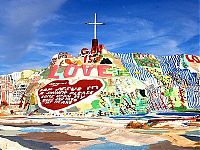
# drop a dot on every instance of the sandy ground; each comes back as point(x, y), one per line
point(84, 132)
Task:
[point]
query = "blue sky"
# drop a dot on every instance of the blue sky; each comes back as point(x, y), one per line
point(32, 31)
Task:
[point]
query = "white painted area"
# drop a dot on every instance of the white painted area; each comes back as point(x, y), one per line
point(9, 128)
point(6, 144)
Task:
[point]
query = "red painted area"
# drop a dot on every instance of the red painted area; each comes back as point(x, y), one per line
point(102, 70)
point(84, 51)
point(181, 94)
point(172, 119)
point(92, 56)
point(60, 94)
point(85, 68)
point(53, 72)
point(194, 58)
point(94, 50)
point(3, 96)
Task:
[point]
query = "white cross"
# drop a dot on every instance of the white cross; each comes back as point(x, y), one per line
point(95, 23)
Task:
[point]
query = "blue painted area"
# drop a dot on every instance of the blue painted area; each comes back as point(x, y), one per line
point(193, 133)
point(114, 146)
point(36, 129)
point(179, 113)
point(133, 117)
point(34, 145)
point(43, 128)
point(33, 129)
point(158, 115)
point(128, 116)
point(81, 120)
point(192, 138)
point(101, 139)
point(55, 127)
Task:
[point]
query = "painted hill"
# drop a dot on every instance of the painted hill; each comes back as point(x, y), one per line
point(99, 82)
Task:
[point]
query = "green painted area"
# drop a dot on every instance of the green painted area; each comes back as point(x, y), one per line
point(168, 92)
point(73, 109)
point(60, 69)
point(180, 108)
point(147, 62)
point(95, 104)
point(45, 73)
point(117, 100)
point(141, 105)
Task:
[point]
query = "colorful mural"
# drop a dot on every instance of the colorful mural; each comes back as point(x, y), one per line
point(101, 83)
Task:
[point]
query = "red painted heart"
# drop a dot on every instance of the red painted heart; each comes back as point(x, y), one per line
point(60, 94)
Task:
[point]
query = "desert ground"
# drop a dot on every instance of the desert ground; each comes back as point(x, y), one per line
point(128, 132)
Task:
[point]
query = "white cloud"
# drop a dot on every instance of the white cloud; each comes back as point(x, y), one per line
point(49, 44)
point(145, 34)
point(9, 68)
point(20, 20)
point(49, 49)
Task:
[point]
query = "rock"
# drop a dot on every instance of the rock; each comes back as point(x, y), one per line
point(50, 124)
point(137, 125)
